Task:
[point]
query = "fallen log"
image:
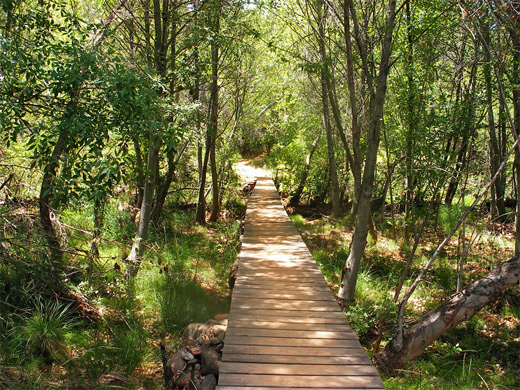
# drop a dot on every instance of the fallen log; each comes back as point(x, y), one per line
point(411, 343)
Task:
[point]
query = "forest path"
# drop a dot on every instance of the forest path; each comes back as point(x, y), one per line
point(285, 329)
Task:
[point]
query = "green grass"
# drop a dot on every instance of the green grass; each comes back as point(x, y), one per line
point(182, 279)
point(481, 353)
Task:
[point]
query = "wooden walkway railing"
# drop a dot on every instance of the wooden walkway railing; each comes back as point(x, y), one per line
point(285, 329)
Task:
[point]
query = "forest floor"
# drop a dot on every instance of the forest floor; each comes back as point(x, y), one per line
point(102, 332)
point(480, 353)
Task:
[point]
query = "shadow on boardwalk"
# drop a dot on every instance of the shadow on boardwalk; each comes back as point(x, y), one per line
point(285, 329)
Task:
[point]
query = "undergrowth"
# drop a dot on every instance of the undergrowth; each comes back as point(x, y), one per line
point(480, 353)
point(61, 327)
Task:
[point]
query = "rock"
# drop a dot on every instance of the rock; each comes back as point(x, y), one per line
point(210, 359)
point(187, 355)
point(196, 351)
point(209, 382)
point(187, 378)
point(184, 380)
point(112, 379)
point(195, 331)
point(221, 337)
point(218, 329)
point(175, 365)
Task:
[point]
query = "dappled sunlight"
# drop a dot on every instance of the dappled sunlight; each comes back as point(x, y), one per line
point(249, 170)
point(282, 307)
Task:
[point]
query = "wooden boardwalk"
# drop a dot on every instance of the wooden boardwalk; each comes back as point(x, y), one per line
point(286, 330)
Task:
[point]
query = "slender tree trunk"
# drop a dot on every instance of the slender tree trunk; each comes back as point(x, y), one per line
point(411, 124)
point(359, 239)
point(515, 37)
point(211, 130)
point(163, 187)
point(400, 351)
point(294, 199)
point(140, 169)
point(134, 258)
point(49, 176)
point(468, 131)
point(336, 210)
point(99, 217)
point(356, 129)
point(213, 119)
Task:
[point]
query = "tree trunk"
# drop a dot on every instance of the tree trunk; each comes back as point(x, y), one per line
point(516, 122)
point(134, 258)
point(211, 130)
point(411, 122)
point(163, 187)
point(326, 118)
point(495, 157)
point(468, 130)
point(356, 129)
point(294, 199)
point(359, 239)
point(99, 214)
point(49, 176)
point(140, 175)
point(434, 324)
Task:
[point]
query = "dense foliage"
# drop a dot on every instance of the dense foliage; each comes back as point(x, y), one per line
point(121, 120)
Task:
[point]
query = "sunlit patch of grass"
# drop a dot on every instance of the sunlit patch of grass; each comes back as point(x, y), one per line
point(298, 221)
point(480, 353)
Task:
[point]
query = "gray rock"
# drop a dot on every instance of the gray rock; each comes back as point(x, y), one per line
point(187, 355)
point(175, 365)
point(209, 382)
point(209, 359)
point(195, 331)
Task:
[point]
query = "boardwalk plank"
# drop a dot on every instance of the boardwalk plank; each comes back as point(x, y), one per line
point(293, 342)
point(290, 381)
point(289, 368)
point(237, 349)
point(288, 333)
point(286, 330)
point(256, 324)
point(314, 360)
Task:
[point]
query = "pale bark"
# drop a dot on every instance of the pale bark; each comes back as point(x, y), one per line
point(359, 239)
point(49, 176)
point(294, 198)
point(356, 128)
point(516, 121)
point(97, 37)
point(497, 191)
point(99, 216)
point(326, 119)
point(211, 130)
point(134, 258)
point(434, 324)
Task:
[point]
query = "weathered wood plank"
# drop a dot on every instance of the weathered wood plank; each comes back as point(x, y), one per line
point(290, 368)
point(276, 314)
point(293, 342)
point(354, 349)
point(256, 324)
point(284, 319)
point(286, 330)
point(311, 296)
point(292, 388)
point(314, 360)
point(289, 381)
point(290, 333)
point(270, 304)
